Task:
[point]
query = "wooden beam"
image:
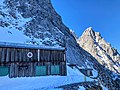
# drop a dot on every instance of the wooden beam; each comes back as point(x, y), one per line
point(3, 55)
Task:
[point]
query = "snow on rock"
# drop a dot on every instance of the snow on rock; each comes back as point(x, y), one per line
point(104, 88)
point(1, 1)
point(81, 88)
point(95, 73)
point(12, 27)
point(106, 55)
point(31, 21)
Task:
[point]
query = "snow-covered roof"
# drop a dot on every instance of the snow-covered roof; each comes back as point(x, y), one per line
point(30, 46)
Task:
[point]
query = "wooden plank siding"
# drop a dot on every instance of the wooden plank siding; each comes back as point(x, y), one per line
point(20, 65)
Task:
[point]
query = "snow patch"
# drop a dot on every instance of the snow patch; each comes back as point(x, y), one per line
point(43, 82)
point(81, 88)
point(14, 36)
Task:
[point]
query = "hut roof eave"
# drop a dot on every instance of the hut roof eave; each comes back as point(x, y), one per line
point(30, 46)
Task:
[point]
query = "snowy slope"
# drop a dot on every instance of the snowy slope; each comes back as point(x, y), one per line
point(11, 29)
point(14, 36)
point(14, 27)
point(43, 82)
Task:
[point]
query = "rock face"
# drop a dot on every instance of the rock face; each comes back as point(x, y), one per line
point(105, 54)
point(38, 20)
point(74, 34)
point(43, 20)
point(40, 23)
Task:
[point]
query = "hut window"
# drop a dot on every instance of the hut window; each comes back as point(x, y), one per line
point(4, 71)
point(41, 70)
point(55, 70)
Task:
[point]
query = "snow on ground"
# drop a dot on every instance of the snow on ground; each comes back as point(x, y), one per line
point(41, 83)
point(13, 31)
point(81, 88)
point(104, 88)
point(14, 36)
point(95, 73)
point(1, 2)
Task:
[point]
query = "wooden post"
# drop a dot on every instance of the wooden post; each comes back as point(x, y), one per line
point(38, 55)
point(15, 70)
point(20, 56)
point(0, 55)
point(7, 56)
point(3, 55)
point(48, 68)
point(11, 75)
point(12, 55)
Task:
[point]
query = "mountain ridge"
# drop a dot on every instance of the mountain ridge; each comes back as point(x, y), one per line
point(95, 44)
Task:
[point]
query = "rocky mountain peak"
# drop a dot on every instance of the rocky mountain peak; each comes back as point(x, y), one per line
point(92, 34)
point(89, 32)
point(89, 29)
point(95, 44)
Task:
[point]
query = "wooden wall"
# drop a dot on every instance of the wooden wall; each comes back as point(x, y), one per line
point(22, 66)
point(9, 55)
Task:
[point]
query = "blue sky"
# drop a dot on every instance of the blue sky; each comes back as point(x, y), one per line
point(102, 15)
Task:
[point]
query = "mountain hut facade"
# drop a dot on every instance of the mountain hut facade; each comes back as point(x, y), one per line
point(22, 60)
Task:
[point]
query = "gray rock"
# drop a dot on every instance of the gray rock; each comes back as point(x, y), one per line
point(105, 54)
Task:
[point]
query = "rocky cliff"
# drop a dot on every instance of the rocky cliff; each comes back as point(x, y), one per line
point(36, 18)
point(106, 55)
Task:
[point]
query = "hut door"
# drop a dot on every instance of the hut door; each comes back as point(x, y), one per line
point(23, 71)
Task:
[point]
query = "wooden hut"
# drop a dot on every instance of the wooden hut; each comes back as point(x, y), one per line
point(87, 71)
point(22, 60)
